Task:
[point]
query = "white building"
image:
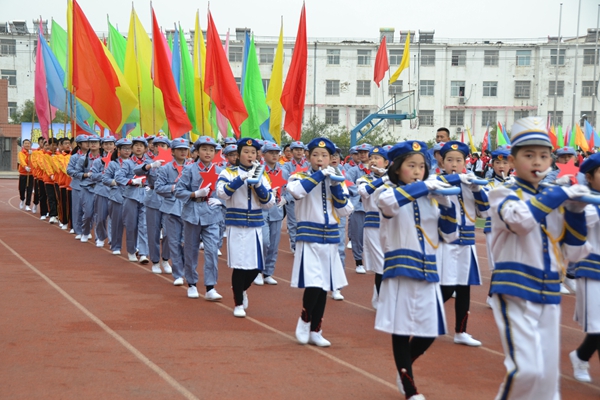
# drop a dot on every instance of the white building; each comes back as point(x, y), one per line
point(458, 83)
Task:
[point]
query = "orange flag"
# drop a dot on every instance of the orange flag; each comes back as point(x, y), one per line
point(580, 139)
point(381, 63)
point(94, 79)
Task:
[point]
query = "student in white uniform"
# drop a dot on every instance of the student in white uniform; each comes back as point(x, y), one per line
point(336, 159)
point(529, 249)
point(245, 203)
point(587, 273)
point(320, 202)
point(410, 303)
point(457, 261)
point(367, 187)
point(289, 168)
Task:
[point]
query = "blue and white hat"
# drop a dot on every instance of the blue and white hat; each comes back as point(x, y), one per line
point(161, 139)
point(232, 148)
point(564, 151)
point(591, 163)
point(410, 146)
point(179, 143)
point(455, 145)
point(205, 140)
point(353, 150)
point(248, 142)
point(379, 151)
point(108, 139)
point(322, 143)
point(338, 150)
point(93, 138)
point(229, 140)
point(530, 131)
point(150, 138)
point(124, 142)
point(81, 138)
point(297, 145)
point(140, 139)
point(500, 153)
point(270, 146)
point(438, 146)
point(364, 147)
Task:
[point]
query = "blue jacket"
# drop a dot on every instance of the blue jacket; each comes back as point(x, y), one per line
point(96, 177)
point(124, 177)
point(116, 191)
point(195, 212)
point(71, 170)
point(165, 187)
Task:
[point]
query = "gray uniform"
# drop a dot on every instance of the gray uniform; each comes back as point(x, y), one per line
point(102, 220)
point(357, 219)
point(87, 192)
point(115, 203)
point(75, 185)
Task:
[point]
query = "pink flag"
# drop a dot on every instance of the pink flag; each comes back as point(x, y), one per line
point(221, 120)
point(42, 104)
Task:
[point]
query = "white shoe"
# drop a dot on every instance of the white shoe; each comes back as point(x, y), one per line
point(21, 204)
point(212, 295)
point(219, 253)
point(349, 245)
point(239, 312)
point(178, 282)
point(166, 266)
point(72, 231)
point(270, 281)
point(77, 237)
point(89, 236)
point(34, 209)
point(337, 295)
point(417, 396)
point(201, 246)
point(466, 339)
point(144, 260)
point(225, 234)
point(571, 284)
point(99, 243)
point(43, 218)
point(580, 368)
point(563, 289)
point(259, 281)
point(117, 253)
point(361, 270)
point(64, 227)
point(302, 331)
point(375, 298)
point(317, 339)
point(488, 301)
point(453, 295)
point(84, 238)
point(132, 257)
point(245, 300)
point(27, 208)
point(53, 220)
point(156, 269)
point(193, 292)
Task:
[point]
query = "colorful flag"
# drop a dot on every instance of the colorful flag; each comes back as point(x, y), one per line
point(222, 122)
point(405, 63)
point(176, 59)
point(486, 139)
point(186, 89)
point(552, 136)
point(572, 132)
point(201, 99)
point(560, 139)
point(41, 102)
point(471, 144)
point(275, 89)
point(219, 83)
point(58, 44)
point(381, 63)
point(580, 139)
point(500, 138)
point(293, 95)
point(254, 96)
point(117, 45)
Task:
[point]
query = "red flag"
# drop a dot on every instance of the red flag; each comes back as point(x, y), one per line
point(163, 79)
point(553, 138)
point(485, 144)
point(592, 144)
point(293, 95)
point(381, 63)
point(94, 78)
point(219, 82)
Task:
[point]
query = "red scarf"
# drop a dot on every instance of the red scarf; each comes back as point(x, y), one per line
point(363, 169)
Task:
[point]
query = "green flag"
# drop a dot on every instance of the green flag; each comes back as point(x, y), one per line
point(117, 46)
point(58, 44)
point(254, 96)
point(187, 83)
point(572, 137)
point(560, 137)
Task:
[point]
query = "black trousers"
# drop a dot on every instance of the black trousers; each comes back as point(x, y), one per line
point(26, 188)
point(313, 307)
point(241, 279)
point(64, 205)
point(41, 188)
point(461, 304)
point(588, 347)
point(406, 351)
point(51, 199)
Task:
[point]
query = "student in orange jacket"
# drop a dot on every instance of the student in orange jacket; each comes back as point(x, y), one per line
point(25, 175)
point(49, 171)
point(39, 189)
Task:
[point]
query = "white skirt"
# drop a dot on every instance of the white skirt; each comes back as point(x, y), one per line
point(318, 265)
point(244, 247)
point(587, 306)
point(458, 265)
point(372, 252)
point(410, 307)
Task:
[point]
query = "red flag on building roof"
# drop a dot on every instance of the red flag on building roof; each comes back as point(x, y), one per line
point(381, 63)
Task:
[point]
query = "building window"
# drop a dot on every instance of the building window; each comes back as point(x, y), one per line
point(332, 117)
point(396, 57)
point(266, 84)
point(426, 88)
point(490, 58)
point(459, 58)
point(427, 57)
point(8, 47)
point(10, 75)
point(267, 54)
point(361, 114)
point(364, 57)
point(12, 109)
point(426, 117)
point(457, 88)
point(588, 57)
point(561, 57)
point(521, 114)
point(333, 57)
point(522, 89)
point(332, 88)
point(556, 121)
point(363, 88)
point(559, 88)
point(589, 116)
point(588, 89)
point(488, 118)
point(395, 88)
point(523, 58)
point(236, 54)
point(457, 117)
point(490, 89)
point(238, 82)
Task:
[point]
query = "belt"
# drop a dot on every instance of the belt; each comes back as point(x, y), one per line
point(200, 199)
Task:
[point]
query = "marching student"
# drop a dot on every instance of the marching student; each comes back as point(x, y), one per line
point(563, 156)
point(244, 219)
point(171, 206)
point(201, 215)
point(115, 199)
point(353, 160)
point(335, 163)
point(36, 155)
point(410, 305)
point(159, 254)
point(83, 172)
point(298, 162)
point(273, 217)
point(62, 161)
point(82, 146)
point(286, 154)
point(457, 261)
point(101, 201)
point(531, 236)
point(587, 273)
point(367, 189)
point(231, 155)
point(320, 201)
point(25, 175)
point(48, 166)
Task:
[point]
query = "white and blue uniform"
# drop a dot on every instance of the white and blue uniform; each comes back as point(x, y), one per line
point(271, 230)
point(290, 206)
point(368, 186)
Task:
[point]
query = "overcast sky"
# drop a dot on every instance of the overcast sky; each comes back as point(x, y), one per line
point(499, 19)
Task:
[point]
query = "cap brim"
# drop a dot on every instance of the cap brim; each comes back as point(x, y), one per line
point(534, 142)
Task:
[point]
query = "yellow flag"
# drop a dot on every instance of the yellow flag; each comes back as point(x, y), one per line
point(69, 81)
point(471, 144)
point(580, 139)
point(405, 63)
point(126, 96)
point(201, 99)
point(138, 61)
point(275, 89)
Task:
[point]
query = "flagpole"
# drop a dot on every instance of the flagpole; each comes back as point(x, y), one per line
point(595, 82)
point(201, 131)
point(575, 65)
point(152, 65)
point(181, 65)
point(557, 62)
point(137, 75)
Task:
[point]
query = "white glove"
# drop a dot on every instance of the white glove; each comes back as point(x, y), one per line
point(113, 183)
point(434, 184)
point(203, 192)
point(475, 188)
point(385, 179)
point(282, 203)
point(564, 180)
point(575, 206)
point(255, 165)
point(156, 164)
point(379, 171)
point(443, 201)
point(467, 179)
point(328, 171)
point(147, 188)
point(243, 174)
point(576, 191)
point(27, 169)
point(52, 177)
point(137, 181)
point(213, 202)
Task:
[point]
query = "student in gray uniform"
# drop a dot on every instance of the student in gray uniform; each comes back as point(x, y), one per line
point(287, 200)
point(83, 171)
point(154, 217)
point(134, 211)
point(76, 211)
point(101, 201)
point(171, 206)
point(335, 163)
point(201, 216)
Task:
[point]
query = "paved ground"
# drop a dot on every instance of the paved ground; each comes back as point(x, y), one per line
point(77, 322)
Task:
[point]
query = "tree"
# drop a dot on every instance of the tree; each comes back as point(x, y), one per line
point(26, 113)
